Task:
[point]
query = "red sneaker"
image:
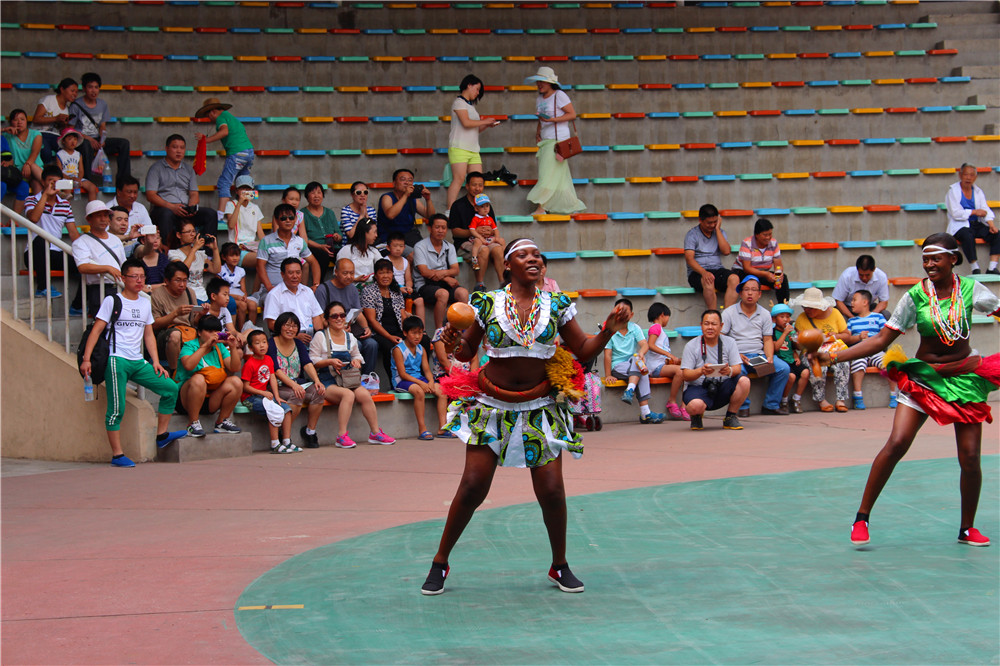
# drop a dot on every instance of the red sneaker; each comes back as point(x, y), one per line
point(859, 533)
point(972, 537)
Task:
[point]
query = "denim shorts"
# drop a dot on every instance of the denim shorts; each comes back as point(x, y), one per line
point(237, 164)
point(256, 404)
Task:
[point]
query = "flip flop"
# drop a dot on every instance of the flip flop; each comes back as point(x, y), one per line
point(425, 436)
point(826, 408)
point(841, 407)
point(445, 434)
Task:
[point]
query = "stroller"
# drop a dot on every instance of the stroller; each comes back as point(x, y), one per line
point(586, 411)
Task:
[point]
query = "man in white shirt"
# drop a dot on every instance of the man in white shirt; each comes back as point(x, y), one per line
point(127, 196)
point(133, 328)
point(99, 256)
point(865, 276)
point(51, 210)
point(292, 296)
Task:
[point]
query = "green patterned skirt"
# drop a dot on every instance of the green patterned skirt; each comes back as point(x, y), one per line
point(526, 434)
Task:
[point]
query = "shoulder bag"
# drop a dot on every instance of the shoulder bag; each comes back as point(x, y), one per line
point(566, 148)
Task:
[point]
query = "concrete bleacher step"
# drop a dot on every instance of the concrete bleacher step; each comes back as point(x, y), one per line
point(987, 15)
point(209, 447)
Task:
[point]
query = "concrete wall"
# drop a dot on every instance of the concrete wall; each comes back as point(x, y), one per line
point(44, 414)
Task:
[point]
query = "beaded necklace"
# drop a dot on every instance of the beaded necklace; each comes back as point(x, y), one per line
point(952, 327)
point(524, 331)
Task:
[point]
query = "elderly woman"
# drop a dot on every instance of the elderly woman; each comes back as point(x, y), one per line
point(357, 209)
point(760, 257)
point(970, 217)
point(209, 368)
point(819, 312)
point(332, 350)
point(554, 190)
point(361, 250)
point(322, 229)
point(463, 142)
point(384, 308)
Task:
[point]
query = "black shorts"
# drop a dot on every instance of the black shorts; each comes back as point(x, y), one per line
point(721, 278)
point(718, 400)
point(429, 290)
point(797, 368)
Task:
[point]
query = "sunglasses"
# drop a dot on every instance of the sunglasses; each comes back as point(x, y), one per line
point(337, 316)
point(360, 192)
point(286, 217)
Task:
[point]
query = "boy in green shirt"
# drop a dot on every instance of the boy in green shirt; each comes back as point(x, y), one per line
point(239, 151)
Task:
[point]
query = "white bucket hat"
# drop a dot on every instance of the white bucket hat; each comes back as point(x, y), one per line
point(546, 74)
point(95, 206)
point(813, 298)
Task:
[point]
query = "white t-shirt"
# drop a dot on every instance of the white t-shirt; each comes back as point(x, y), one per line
point(196, 275)
point(224, 316)
point(364, 264)
point(137, 215)
point(655, 359)
point(88, 250)
point(70, 164)
point(400, 273)
point(51, 108)
point(466, 138)
point(233, 277)
point(247, 222)
point(550, 107)
point(130, 327)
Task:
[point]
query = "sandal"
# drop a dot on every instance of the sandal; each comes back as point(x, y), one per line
point(445, 434)
point(825, 407)
point(841, 407)
point(425, 436)
point(285, 448)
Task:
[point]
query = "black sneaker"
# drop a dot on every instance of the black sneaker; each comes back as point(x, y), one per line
point(435, 579)
point(731, 422)
point(696, 423)
point(565, 579)
point(310, 441)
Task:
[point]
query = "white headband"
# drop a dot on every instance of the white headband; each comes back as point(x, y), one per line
point(937, 249)
point(524, 242)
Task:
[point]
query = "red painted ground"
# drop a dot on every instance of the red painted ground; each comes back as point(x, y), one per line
point(102, 565)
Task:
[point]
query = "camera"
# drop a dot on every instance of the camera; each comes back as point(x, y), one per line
point(418, 190)
point(712, 387)
point(502, 174)
point(223, 335)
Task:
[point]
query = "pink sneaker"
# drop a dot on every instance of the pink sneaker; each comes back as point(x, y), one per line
point(380, 438)
point(677, 413)
point(859, 533)
point(973, 537)
point(344, 442)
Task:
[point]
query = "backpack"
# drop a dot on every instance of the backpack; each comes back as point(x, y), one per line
point(103, 347)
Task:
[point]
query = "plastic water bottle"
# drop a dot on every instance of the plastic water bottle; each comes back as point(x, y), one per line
point(107, 174)
point(88, 389)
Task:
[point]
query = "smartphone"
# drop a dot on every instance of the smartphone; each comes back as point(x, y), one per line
point(64, 184)
point(305, 385)
point(198, 309)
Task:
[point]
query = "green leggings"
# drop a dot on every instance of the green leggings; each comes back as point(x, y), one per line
point(120, 371)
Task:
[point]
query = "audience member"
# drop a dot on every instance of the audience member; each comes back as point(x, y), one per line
point(322, 230)
point(173, 305)
point(760, 256)
point(120, 229)
point(293, 198)
point(357, 209)
point(863, 275)
point(713, 374)
point(290, 295)
point(127, 196)
point(152, 254)
point(411, 373)
point(132, 331)
point(91, 118)
point(460, 220)
point(463, 140)
point(218, 307)
point(240, 305)
point(333, 351)
point(99, 256)
point(436, 264)
point(25, 149)
point(545, 283)
point(172, 192)
point(624, 359)
point(749, 324)
point(186, 247)
point(485, 235)
point(243, 218)
point(68, 158)
point(443, 359)
point(970, 217)
point(204, 373)
point(361, 250)
point(784, 348)
point(661, 362)
point(402, 271)
point(11, 177)
point(819, 312)
point(295, 370)
point(340, 288)
point(239, 150)
point(554, 190)
point(260, 383)
point(398, 209)
point(52, 115)
point(866, 324)
point(279, 245)
point(51, 210)
point(384, 309)
point(704, 247)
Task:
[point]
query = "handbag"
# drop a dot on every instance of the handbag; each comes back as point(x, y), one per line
point(567, 148)
point(349, 377)
point(214, 376)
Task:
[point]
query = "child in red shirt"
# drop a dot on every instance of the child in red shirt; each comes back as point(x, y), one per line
point(259, 382)
point(483, 229)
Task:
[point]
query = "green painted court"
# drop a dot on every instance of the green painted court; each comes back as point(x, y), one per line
point(745, 570)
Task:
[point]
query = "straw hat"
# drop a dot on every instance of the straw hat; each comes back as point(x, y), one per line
point(211, 103)
point(813, 298)
point(546, 74)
